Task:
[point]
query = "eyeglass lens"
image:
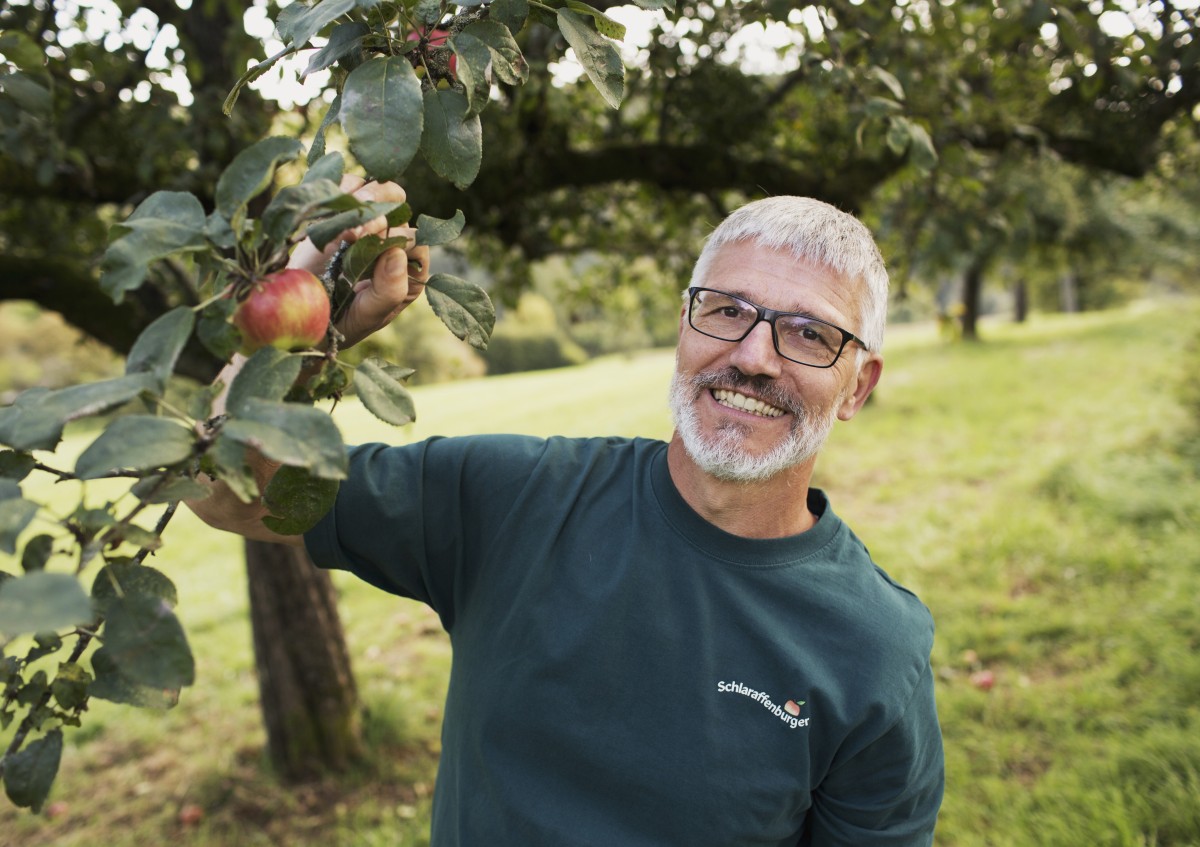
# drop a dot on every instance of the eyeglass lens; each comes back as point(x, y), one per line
point(730, 318)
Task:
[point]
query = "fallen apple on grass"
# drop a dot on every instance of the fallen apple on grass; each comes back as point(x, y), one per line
point(983, 680)
point(288, 310)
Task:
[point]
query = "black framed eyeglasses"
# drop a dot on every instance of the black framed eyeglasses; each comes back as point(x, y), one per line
point(798, 338)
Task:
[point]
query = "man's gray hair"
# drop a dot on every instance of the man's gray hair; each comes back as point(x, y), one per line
point(816, 232)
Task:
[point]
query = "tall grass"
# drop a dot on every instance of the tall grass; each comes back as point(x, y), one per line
point(1039, 491)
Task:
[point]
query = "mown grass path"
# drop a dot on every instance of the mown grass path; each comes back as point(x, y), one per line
point(1038, 490)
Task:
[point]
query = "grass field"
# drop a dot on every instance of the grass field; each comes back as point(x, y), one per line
point(1039, 491)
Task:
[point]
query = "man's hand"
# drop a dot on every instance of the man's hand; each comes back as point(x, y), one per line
point(398, 280)
point(399, 276)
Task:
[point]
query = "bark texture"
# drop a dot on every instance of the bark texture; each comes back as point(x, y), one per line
point(307, 691)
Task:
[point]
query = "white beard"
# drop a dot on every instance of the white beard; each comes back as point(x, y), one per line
point(723, 454)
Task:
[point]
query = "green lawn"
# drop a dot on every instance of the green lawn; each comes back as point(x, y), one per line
point(1039, 491)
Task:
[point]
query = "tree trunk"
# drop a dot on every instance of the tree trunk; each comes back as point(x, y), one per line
point(1020, 301)
point(1068, 287)
point(971, 296)
point(306, 688)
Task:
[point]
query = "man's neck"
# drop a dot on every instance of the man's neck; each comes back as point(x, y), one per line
point(772, 508)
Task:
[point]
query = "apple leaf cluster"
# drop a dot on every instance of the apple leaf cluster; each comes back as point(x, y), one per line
point(410, 78)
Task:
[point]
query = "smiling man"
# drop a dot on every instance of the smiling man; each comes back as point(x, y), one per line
point(666, 643)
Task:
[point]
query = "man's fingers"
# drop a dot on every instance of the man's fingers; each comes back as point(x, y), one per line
point(380, 192)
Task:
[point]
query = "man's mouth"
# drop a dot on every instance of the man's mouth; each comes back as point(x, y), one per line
point(735, 400)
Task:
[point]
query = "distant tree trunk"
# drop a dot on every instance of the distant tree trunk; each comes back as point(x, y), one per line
point(1020, 301)
point(1068, 287)
point(972, 294)
point(306, 688)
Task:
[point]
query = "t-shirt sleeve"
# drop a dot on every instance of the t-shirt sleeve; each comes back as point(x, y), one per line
point(375, 529)
point(411, 518)
point(888, 794)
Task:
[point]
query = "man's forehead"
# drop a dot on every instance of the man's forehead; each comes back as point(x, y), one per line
point(775, 277)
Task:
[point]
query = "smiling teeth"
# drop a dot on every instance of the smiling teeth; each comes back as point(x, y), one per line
point(745, 404)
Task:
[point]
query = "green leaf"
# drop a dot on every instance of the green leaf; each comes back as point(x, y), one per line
point(267, 375)
point(510, 13)
point(508, 64)
point(218, 231)
point(16, 513)
point(327, 230)
point(128, 578)
point(158, 347)
point(135, 536)
point(656, 5)
point(31, 94)
point(474, 70)
point(166, 223)
point(295, 204)
point(42, 602)
point(893, 84)
point(36, 420)
point(252, 73)
point(878, 107)
point(37, 553)
point(382, 115)
point(382, 392)
point(216, 331)
point(434, 232)
point(229, 460)
point(922, 153)
point(301, 22)
point(136, 443)
point(115, 687)
point(70, 685)
point(600, 58)
point(297, 500)
point(343, 41)
point(292, 435)
point(250, 173)
point(153, 489)
point(30, 772)
point(146, 642)
point(452, 140)
point(429, 12)
point(359, 258)
point(605, 25)
point(22, 51)
point(898, 135)
point(15, 465)
point(329, 166)
point(464, 308)
point(317, 150)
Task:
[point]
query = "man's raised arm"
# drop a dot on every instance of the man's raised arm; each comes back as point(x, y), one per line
point(398, 280)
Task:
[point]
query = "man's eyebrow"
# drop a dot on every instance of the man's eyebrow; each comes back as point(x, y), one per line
point(795, 310)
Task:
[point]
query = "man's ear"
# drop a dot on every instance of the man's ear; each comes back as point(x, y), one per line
point(868, 377)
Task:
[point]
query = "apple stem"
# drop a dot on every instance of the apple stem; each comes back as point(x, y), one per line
point(224, 292)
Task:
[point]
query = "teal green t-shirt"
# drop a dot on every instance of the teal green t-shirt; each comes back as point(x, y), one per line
point(625, 673)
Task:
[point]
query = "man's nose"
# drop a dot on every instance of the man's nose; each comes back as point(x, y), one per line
point(756, 354)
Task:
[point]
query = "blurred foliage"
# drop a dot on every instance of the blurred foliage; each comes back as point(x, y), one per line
point(529, 338)
point(972, 135)
point(39, 348)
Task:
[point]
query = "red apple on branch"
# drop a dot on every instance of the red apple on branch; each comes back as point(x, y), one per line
point(287, 310)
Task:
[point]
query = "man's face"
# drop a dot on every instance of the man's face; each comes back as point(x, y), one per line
point(742, 411)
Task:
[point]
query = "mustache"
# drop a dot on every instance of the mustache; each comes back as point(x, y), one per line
point(764, 388)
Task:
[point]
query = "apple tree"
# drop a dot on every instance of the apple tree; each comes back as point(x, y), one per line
point(84, 616)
